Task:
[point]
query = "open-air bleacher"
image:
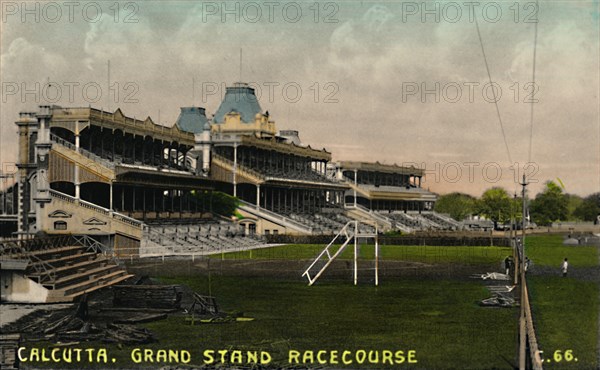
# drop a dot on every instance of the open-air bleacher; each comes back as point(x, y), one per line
point(443, 223)
point(68, 266)
point(327, 221)
point(199, 237)
point(424, 221)
point(406, 220)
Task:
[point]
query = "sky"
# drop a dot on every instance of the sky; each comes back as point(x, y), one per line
point(394, 82)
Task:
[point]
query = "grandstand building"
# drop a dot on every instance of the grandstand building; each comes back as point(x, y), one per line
point(390, 194)
point(139, 188)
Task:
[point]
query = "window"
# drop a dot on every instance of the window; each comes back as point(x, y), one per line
point(275, 232)
point(60, 225)
point(267, 231)
point(252, 229)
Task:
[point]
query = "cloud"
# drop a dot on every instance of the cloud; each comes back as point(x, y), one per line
point(367, 56)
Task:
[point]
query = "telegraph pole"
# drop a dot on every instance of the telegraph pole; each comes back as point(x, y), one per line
point(522, 319)
point(513, 238)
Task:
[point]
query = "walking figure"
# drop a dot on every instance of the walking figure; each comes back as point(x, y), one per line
point(507, 265)
point(527, 262)
point(564, 267)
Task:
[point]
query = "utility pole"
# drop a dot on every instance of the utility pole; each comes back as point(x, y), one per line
point(522, 320)
point(513, 229)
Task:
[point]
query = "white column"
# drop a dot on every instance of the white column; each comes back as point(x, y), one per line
point(355, 252)
point(257, 196)
point(20, 211)
point(76, 180)
point(355, 185)
point(376, 257)
point(76, 172)
point(110, 202)
point(235, 171)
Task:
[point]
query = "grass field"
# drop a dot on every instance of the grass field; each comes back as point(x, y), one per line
point(440, 320)
point(426, 254)
point(565, 312)
point(565, 309)
point(437, 317)
point(549, 251)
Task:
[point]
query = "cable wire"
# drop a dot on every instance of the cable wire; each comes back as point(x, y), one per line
point(493, 91)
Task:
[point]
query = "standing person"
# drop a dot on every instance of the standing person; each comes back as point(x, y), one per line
point(507, 265)
point(527, 263)
point(564, 267)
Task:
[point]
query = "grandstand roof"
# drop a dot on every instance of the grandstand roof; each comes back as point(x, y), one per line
point(378, 167)
point(238, 98)
point(77, 119)
point(394, 193)
point(192, 119)
point(291, 148)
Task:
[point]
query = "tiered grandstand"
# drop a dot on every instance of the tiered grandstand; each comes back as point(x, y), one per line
point(56, 269)
point(144, 189)
point(196, 238)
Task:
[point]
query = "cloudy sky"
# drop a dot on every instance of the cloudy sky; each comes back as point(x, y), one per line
point(395, 82)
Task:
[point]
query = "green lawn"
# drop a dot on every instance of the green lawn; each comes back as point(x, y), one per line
point(414, 253)
point(437, 318)
point(548, 250)
point(440, 320)
point(565, 310)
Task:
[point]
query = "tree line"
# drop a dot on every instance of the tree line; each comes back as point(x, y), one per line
point(552, 204)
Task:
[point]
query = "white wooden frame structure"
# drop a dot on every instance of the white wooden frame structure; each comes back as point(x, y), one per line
point(351, 232)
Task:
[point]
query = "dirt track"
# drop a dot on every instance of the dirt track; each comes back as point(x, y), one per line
point(293, 269)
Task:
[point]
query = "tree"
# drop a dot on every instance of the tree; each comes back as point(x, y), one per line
point(549, 205)
point(589, 209)
point(496, 205)
point(220, 203)
point(516, 208)
point(573, 202)
point(457, 205)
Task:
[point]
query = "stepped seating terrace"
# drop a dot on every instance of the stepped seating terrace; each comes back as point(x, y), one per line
point(67, 266)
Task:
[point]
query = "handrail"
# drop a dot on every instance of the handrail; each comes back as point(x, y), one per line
point(447, 218)
point(401, 188)
point(253, 209)
point(90, 243)
point(375, 215)
point(16, 246)
point(105, 211)
point(106, 162)
point(57, 139)
point(240, 168)
point(46, 270)
point(264, 176)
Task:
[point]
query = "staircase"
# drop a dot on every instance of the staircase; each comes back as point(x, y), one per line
point(66, 266)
